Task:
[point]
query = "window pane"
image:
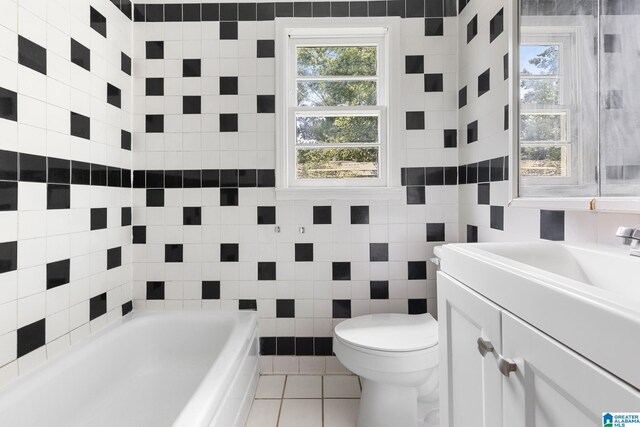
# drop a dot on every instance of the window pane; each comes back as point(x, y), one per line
point(543, 127)
point(336, 129)
point(539, 91)
point(539, 60)
point(337, 61)
point(332, 163)
point(334, 93)
point(544, 161)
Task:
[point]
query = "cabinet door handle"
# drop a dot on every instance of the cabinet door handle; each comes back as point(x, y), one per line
point(506, 366)
point(484, 346)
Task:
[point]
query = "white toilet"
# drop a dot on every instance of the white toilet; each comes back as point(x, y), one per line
point(396, 357)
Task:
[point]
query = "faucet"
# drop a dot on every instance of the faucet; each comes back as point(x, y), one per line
point(631, 237)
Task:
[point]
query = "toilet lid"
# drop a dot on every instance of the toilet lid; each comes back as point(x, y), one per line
point(390, 332)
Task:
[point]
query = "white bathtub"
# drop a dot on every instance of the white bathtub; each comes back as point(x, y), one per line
point(180, 369)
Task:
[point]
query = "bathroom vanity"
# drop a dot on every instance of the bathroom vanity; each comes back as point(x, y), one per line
point(537, 334)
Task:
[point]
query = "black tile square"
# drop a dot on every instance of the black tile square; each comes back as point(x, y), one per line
point(484, 194)
point(415, 176)
point(80, 125)
point(98, 218)
point(155, 179)
point(154, 86)
point(323, 346)
point(506, 117)
point(268, 346)
point(125, 8)
point(155, 198)
point(359, 214)
point(80, 55)
point(417, 306)
point(484, 83)
point(114, 95)
point(266, 178)
point(415, 120)
point(416, 195)
point(98, 22)
point(435, 176)
point(304, 346)
point(114, 258)
point(229, 252)
point(8, 105)
point(341, 308)
point(497, 217)
point(191, 68)
point(505, 66)
point(302, 10)
point(322, 214)
point(210, 289)
point(154, 49)
point(125, 140)
point(58, 171)
point(247, 304)
point(472, 234)
point(98, 174)
point(266, 11)
point(32, 55)
point(396, 8)
point(417, 270)
point(284, 10)
point(172, 13)
point(378, 252)
point(266, 215)
point(472, 173)
point(229, 122)
point(433, 27)
point(154, 123)
point(191, 105)
point(379, 289)
point(378, 8)
point(472, 29)
point(484, 169)
point(341, 271)
point(127, 308)
point(552, 225)
point(139, 12)
point(285, 346)
point(321, 9)
point(339, 9)
point(247, 12)
point(612, 43)
point(33, 168)
point(229, 178)
point(433, 82)
point(266, 271)
point(154, 13)
point(265, 48)
point(497, 169)
point(415, 8)
point(450, 138)
point(139, 178)
point(462, 174)
point(191, 12)
point(472, 132)
point(80, 173)
point(450, 175)
point(434, 8)
point(155, 290)
point(285, 308)
point(173, 253)
point(8, 256)
point(97, 306)
point(266, 103)
point(435, 232)
point(359, 9)
point(247, 178)
point(31, 337)
point(8, 196)
point(192, 215)
point(8, 163)
point(58, 196)
point(304, 252)
point(192, 178)
point(414, 64)
point(228, 11)
point(228, 31)
point(210, 178)
point(462, 97)
point(228, 85)
point(210, 11)
point(139, 234)
point(126, 178)
point(125, 216)
point(58, 273)
point(496, 25)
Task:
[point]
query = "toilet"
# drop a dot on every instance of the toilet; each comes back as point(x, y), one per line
point(396, 357)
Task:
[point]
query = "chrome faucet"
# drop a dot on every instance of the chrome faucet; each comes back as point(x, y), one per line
point(631, 237)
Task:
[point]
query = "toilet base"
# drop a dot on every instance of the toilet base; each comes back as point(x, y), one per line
point(384, 405)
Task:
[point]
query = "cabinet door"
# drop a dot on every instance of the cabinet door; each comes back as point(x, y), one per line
point(470, 385)
point(553, 385)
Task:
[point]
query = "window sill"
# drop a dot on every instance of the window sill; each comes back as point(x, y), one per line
point(596, 204)
point(379, 193)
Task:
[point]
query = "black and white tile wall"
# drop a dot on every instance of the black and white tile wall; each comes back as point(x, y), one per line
point(65, 176)
point(205, 212)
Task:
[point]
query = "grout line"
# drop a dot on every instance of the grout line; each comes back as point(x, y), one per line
point(322, 400)
point(284, 386)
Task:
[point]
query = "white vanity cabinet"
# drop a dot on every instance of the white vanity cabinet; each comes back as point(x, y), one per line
point(550, 384)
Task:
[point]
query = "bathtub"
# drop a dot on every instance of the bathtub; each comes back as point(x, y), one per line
point(180, 369)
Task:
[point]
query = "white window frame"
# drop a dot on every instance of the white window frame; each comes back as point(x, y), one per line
point(384, 34)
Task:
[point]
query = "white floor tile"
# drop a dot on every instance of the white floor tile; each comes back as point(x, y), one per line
point(340, 412)
point(303, 387)
point(301, 412)
point(341, 386)
point(264, 413)
point(270, 387)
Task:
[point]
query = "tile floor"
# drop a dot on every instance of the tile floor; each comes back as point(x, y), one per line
point(305, 400)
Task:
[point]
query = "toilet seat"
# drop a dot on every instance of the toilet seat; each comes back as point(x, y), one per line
point(389, 332)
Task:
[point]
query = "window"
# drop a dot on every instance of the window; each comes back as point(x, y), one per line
point(335, 106)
